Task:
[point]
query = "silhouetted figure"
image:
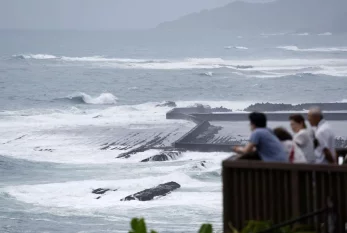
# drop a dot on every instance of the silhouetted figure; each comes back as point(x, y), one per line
point(325, 151)
point(263, 143)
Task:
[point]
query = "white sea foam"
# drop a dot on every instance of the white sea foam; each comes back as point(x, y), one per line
point(35, 56)
point(76, 137)
point(273, 34)
point(77, 194)
point(319, 49)
point(257, 68)
point(236, 47)
point(325, 34)
point(209, 73)
point(302, 34)
point(103, 98)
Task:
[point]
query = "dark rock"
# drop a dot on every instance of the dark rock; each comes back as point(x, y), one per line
point(170, 104)
point(202, 108)
point(164, 156)
point(149, 194)
point(266, 107)
point(41, 149)
point(100, 191)
point(221, 109)
point(97, 116)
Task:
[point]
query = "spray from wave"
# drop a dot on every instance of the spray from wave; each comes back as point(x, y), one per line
point(322, 49)
point(302, 34)
point(236, 47)
point(325, 34)
point(35, 56)
point(209, 74)
point(83, 98)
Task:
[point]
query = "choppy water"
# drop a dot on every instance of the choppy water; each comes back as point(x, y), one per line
point(65, 94)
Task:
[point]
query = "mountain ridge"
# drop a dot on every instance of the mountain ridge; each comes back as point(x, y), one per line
point(281, 15)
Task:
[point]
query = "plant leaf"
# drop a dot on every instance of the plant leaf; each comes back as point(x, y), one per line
point(206, 228)
point(232, 228)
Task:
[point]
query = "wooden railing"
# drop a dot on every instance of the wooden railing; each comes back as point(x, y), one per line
point(255, 190)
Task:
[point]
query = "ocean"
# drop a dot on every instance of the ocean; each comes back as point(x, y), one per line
point(66, 94)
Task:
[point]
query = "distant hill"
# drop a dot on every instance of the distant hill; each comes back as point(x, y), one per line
point(281, 15)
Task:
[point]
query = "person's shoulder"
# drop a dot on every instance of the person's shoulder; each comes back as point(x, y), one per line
point(305, 133)
point(262, 131)
point(325, 128)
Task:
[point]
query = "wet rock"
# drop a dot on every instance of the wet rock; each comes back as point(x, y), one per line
point(221, 109)
point(203, 163)
point(170, 104)
point(100, 191)
point(265, 107)
point(164, 156)
point(150, 194)
point(42, 149)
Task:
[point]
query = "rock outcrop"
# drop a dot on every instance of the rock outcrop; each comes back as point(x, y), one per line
point(102, 191)
point(150, 194)
point(170, 104)
point(164, 156)
point(270, 107)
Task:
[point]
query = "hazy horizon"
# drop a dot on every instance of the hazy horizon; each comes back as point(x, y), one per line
point(96, 15)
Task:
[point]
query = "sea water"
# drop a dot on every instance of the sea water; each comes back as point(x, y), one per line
point(64, 94)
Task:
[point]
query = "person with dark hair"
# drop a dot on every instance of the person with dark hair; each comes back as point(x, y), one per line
point(263, 143)
point(325, 151)
point(303, 138)
point(294, 153)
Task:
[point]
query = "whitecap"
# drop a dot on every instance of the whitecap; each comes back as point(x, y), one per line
point(103, 98)
point(318, 49)
point(35, 56)
point(325, 34)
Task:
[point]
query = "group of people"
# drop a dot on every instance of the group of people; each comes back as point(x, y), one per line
point(314, 145)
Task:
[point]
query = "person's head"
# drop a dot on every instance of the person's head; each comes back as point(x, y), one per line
point(297, 122)
point(257, 119)
point(282, 134)
point(315, 115)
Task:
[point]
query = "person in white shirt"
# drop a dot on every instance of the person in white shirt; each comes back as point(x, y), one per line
point(293, 151)
point(303, 138)
point(325, 150)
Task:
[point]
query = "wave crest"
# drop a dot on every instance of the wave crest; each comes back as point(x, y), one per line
point(236, 47)
point(319, 49)
point(35, 56)
point(103, 98)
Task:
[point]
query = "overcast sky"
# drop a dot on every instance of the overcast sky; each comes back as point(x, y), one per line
point(96, 14)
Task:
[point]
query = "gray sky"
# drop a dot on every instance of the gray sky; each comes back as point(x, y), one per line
point(96, 14)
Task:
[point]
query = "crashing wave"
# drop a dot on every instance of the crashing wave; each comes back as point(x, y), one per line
point(34, 56)
point(302, 34)
point(209, 74)
point(321, 49)
point(103, 98)
point(273, 107)
point(325, 34)
point(236, 47)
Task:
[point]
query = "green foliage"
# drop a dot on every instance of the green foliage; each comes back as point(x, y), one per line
point(259, 226)
point(206, 228)
point(139, 226)
point(256, 226)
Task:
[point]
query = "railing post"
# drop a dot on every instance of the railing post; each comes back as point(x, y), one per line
point(295, 193)
point(332, 216)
